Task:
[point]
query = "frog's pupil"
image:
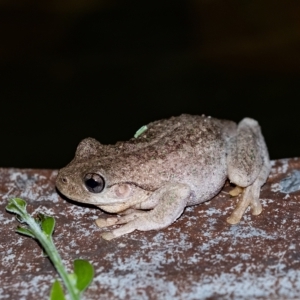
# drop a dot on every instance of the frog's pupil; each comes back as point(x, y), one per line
point(94, 182)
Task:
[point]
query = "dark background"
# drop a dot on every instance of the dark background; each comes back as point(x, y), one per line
point(74, 69)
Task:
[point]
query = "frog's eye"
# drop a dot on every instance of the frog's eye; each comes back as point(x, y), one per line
point(94, 182)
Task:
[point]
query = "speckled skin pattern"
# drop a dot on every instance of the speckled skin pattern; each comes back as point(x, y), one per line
point(176, 162)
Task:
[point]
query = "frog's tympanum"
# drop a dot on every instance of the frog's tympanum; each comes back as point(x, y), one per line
point(173, 163)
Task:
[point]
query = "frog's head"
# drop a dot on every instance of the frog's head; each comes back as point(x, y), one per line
point(86, 179)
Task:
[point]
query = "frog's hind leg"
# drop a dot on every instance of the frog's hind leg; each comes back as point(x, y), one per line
point(248, 167)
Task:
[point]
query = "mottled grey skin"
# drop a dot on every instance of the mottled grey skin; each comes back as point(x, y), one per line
point(176, 162)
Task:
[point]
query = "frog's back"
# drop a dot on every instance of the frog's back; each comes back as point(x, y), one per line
point(172, 134)
point(186, 131)
point(186, 128)
point(187, 149)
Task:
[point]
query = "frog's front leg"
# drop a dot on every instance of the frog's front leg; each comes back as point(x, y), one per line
point(248, 166)
point(123, 218)
point(171, 200)
point(131, 213)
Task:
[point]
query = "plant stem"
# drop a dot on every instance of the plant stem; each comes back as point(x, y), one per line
point(50, 249)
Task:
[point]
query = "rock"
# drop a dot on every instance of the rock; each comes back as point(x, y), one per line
point(200, 256)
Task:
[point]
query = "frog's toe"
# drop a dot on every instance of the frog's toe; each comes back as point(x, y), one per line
point(233, 219)
point(130, 217)
point(236, 191)
point(256, 207)
point(127, 228)
point(108, 236)
point(106, 222)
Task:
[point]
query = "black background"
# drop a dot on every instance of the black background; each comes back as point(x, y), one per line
point(105, 68)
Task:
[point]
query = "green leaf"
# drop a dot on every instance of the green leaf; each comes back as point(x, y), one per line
point(57, 292)
point(85, 273)
point(16, 205)
point(25, 231)
point(47, 224)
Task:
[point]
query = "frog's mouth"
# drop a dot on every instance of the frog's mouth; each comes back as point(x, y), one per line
point(141, 186)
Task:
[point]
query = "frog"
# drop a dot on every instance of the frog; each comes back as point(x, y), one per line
point(146, 183)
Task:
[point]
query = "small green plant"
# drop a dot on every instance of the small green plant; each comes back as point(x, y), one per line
point(41, 229)
point(140, 131)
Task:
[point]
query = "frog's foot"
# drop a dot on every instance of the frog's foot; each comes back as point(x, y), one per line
point(250, 197)
point(172, 201)
point(107, 236)
point(106, 222)
point(110, 221)
point(143, 223)
point(236, 191)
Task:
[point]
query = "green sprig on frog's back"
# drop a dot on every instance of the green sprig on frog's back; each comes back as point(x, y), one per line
point(169, 164)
